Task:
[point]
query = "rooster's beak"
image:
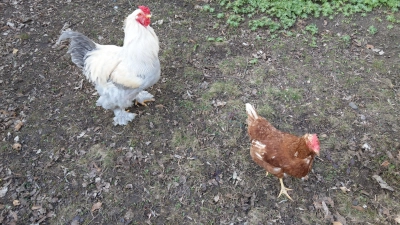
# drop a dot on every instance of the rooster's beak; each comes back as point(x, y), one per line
point(148, 16)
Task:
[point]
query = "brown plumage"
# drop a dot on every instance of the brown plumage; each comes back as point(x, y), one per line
point(280, 153)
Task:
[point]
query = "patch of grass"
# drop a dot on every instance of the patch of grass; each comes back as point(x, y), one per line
point(231, 65)
point(265, 22)
point(352, 80)
point(346, 39)
point(372, 30)
point(379, 65)
point(345, 207)
point(312, 28)
point(4, 147)
point(24, 36)
point(339, 125)
point(208, 8)
point(187, 105)
point(287, 95)
point(234, 20)
point(265, 110)
point(287, 12)
point(258, 74)
point(184, 141)
point(253, 61)
point(99, 153)
point(65, 214)
point(220, 88)
point(217, 39)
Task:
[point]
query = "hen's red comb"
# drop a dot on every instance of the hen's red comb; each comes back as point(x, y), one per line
point(145, 9)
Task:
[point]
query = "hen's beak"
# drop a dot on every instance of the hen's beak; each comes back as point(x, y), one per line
point(148, 16)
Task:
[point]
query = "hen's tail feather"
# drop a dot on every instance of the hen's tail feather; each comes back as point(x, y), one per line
point(251, 112)
point(79, 46)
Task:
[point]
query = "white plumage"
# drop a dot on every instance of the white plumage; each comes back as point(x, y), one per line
point(120, 74)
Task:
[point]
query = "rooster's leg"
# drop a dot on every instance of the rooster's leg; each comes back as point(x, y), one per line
point(284, 190)
point(266, 174)
point(144, 97)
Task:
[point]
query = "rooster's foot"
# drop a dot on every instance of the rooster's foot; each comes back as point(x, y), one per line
point(284, 190)
point(144, 102)
point(122, 117)
point(144, 97)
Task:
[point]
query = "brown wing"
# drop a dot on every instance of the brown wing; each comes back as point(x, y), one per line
point(261, 154)
point(279, 152)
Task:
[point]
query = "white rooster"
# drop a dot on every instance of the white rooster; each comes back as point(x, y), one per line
point(120, 74)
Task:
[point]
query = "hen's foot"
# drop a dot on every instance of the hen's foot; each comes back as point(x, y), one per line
point(144, 97)
point(284, 190)
point(305, 178)
point(266, 174)
point(122, 117)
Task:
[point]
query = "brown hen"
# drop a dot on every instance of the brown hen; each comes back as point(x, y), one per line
point(280, 153)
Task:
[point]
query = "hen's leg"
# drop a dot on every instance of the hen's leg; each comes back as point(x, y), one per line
point(284, 190)
point(122, 117)
point(144, 97)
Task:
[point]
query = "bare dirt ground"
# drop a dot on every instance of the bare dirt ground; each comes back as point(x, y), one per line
point(185, 158)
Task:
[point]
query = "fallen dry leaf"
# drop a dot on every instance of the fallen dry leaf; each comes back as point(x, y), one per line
point(15, 51)
point(359, 208)
point(17, 146)
point(385, 163)
point(386, 211)
point(216, 198)
point(397, 219)
point(218, 103)
point(344, 189)
point(35, 207)
point(18, 125)
point(370, 46)
point(337, 223)
point(16, 203)
point(340, 219)
point(382, 183)
point(329, 201)
point(96, 206)
point(3, 191)
point(326, 210)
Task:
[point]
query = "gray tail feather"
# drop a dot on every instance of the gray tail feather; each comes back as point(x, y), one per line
point(79, 46)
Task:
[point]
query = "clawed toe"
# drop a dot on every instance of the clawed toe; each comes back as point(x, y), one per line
point(144, 102)
point(284, 190)
point(144, 97)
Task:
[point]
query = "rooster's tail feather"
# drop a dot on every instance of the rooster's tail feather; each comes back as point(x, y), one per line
point(80, 45)
point(251, 112)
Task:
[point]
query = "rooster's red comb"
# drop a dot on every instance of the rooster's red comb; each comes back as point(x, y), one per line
point(145, 9)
